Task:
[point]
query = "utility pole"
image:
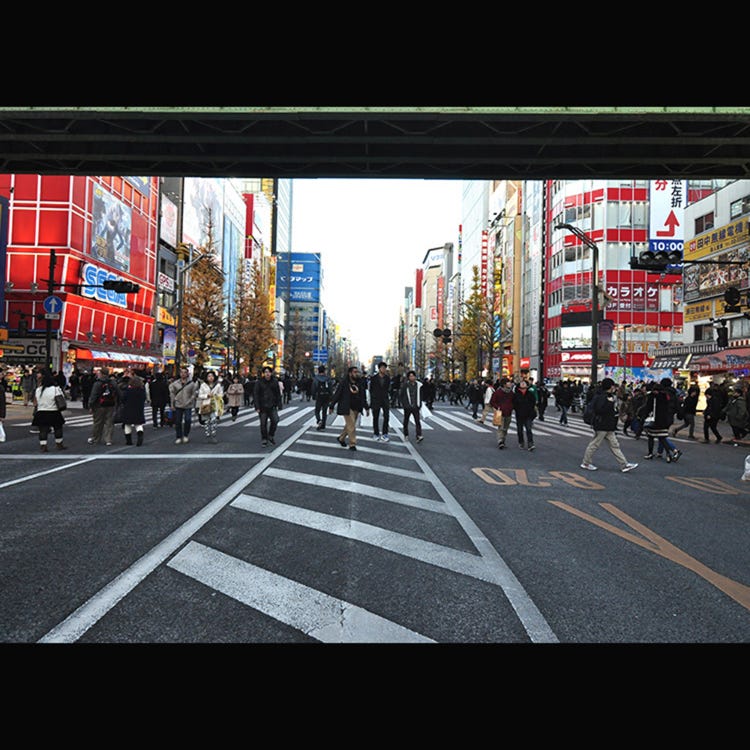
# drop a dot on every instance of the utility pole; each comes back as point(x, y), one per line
point(50, 291)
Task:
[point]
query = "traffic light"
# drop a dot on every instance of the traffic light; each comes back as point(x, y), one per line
point(732, 299)
point(659, 261)
point(722, 335)
point(122, 287)
point(443, 333)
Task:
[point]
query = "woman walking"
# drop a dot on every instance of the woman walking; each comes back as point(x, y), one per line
point(210, 404)
point(134, 409)
point(235, 396)
point(47, 415)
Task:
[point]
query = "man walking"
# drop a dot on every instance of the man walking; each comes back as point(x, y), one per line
point(182, 394)
point(350, 400)
point(502, 402)
point(380, 389)
point(605, 424)
point(411, 400)
point(103, 401)
point(267, 403)
point(322, 390)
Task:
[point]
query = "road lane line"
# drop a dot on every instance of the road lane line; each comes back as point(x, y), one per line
point(91, 611)
point(432, 553)
point(359, 464)
point(38, 474)
point(320, 616)
point(357, 488)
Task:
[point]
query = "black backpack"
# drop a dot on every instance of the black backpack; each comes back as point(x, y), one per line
point(324, 387)
point(588, 412)
point(107, 395)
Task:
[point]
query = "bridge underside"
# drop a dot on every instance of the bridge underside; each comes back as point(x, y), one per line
point(461, 143)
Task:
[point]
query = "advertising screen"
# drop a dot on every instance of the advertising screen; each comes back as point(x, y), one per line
point(112, 226)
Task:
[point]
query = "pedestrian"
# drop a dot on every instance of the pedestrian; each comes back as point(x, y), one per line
point(486, 398)
point(103, 402)
point(564, 399)
point(268, 401)
point(380, 400)
point(605, 426)
point(502, 403)
point(3, 406)
point(157, 394)
point(712, 414)
point(686, 412)
point(210, 402)
point(735, 413)
point(183, 392)
point(86, 381)
point(524, 407)
point(475, 392)
point(350, 400)
point(661, 406)
point(134, 409)
point(322, 390)
point(235, 395)
point(47, 414)
point(28, 386)
point(411, 403)
point(428, 392)
point(542, 393)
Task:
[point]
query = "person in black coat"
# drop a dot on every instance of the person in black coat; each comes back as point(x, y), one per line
point(158, 394)
point(380, 400)
point(661, 406)
point(605, 426)
point(268, 400)
point(524, 406)
point(350, 400)
point(133, 409)
point(712, 414)
point(688, 408)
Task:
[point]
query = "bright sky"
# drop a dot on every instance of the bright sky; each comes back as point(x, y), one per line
point(372, 236)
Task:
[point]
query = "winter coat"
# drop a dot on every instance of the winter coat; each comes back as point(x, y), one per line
point(96, 390)
point(380, 389)
point(661, 406)
point(502, 399)
point(736, 411)
point(564, 395)
point(411, 394)
point(183, 395)
point(235, 394)
point(524, 404)
point(474, 392)
point(605, 411)
point(267, 393)
point(133, 403)
point(158, 391)
point(211, 395)
point(714, 404)
point(345, 401)
point(690, 402)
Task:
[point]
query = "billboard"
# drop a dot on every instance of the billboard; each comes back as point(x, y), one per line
point(4, 207)
point(301, 275)
point(667, 202)
point(111, 229)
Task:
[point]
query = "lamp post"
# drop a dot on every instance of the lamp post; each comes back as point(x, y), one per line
point(594, 295)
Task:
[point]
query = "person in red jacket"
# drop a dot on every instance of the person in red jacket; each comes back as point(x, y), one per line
point(502, 402)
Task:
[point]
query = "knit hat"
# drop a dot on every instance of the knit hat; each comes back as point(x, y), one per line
point(607, 383)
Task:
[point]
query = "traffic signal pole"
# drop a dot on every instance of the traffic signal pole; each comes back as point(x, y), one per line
point(50, 291)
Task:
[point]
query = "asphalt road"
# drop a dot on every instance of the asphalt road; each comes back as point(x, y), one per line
point(444, 541)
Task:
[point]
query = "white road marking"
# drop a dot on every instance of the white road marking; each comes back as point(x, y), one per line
point(318, 615)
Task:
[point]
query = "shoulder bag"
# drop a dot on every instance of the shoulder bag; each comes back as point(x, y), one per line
point(60, 401)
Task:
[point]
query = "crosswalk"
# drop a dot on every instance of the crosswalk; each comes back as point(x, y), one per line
point(448, 419)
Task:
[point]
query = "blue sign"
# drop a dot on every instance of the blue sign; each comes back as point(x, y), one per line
point(53, 305)
point(320, 355)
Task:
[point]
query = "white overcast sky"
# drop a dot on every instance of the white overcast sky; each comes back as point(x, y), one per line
point(372, 235)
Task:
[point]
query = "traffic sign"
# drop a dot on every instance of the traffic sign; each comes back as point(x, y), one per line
point(320, 355)
point(53, 305)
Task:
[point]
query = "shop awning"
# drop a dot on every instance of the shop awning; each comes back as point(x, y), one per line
point(726, 359)
point(673, 362)
point(109, 356)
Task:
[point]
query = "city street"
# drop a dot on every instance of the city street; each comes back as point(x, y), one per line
point(444, 541)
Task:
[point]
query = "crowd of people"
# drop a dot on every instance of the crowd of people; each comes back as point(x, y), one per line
point(656, 410)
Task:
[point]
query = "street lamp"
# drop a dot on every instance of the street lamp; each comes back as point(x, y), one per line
point(594, 294)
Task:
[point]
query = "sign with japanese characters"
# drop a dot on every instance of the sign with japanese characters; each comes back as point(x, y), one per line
point(667, 201)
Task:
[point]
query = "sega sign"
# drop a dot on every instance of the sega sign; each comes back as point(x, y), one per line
point(93, 278)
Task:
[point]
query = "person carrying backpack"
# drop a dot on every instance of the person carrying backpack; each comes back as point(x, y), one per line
point(604, 407)
point(322, 390)
point(103, 401)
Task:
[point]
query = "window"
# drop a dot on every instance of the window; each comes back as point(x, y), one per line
point(739, 207)
point(704, 223)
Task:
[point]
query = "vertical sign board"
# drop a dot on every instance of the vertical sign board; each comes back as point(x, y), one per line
point(667, 202)
point(484, 266)
point(4, 208)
